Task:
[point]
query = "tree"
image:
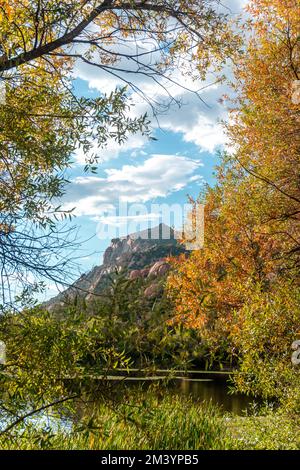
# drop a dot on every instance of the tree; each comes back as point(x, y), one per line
point(42, 32)
point(252, 214)
point(43, 122)
point(41, 126)
point(265, 121)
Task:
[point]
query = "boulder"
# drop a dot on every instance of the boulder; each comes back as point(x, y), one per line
point(159, 268)
point(152, 291)
point(135, 274)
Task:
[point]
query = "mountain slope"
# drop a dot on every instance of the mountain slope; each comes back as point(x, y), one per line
point(142, 254)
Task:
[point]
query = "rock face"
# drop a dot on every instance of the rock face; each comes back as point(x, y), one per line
point(142, 254)
point(159, 268)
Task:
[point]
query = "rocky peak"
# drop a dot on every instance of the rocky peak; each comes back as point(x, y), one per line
point(142, 253)
point(121, 249)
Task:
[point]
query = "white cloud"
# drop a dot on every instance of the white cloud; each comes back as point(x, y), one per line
point(119, 221)
point(157, 176)
point(196, 122)
point(207, 135)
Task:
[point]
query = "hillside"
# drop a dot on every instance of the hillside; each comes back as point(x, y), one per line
point(142, 254)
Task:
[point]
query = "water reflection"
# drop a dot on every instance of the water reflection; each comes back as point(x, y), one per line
point(210, 387)
point(216, 390)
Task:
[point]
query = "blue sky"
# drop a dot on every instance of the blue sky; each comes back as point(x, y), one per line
point(145, 172)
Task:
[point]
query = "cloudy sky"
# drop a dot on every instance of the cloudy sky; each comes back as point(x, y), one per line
point(143, 172)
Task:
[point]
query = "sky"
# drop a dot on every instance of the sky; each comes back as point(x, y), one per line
point(141, 174)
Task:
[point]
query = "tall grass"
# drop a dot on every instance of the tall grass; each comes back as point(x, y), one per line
point(152, 422)
point(169, 422)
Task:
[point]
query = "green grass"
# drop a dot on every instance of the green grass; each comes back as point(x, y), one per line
point(160, 423)
point(157, 423)
point(274, 431)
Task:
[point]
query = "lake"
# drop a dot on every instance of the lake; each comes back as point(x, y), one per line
point(124, 386)
point(200, 385)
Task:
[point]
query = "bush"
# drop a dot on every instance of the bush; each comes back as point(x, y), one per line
point(263, 332)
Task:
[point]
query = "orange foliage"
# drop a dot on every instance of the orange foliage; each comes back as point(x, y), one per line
point(252, 215)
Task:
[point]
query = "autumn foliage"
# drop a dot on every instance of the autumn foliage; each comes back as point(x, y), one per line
point(242, 290)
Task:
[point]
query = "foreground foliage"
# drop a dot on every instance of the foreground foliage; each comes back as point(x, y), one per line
point(270, 431)
point(52, 358)
point(153, 422)
point(241, 292)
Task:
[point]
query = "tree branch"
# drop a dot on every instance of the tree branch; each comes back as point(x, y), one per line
point(35, 411)
point(35, 53)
